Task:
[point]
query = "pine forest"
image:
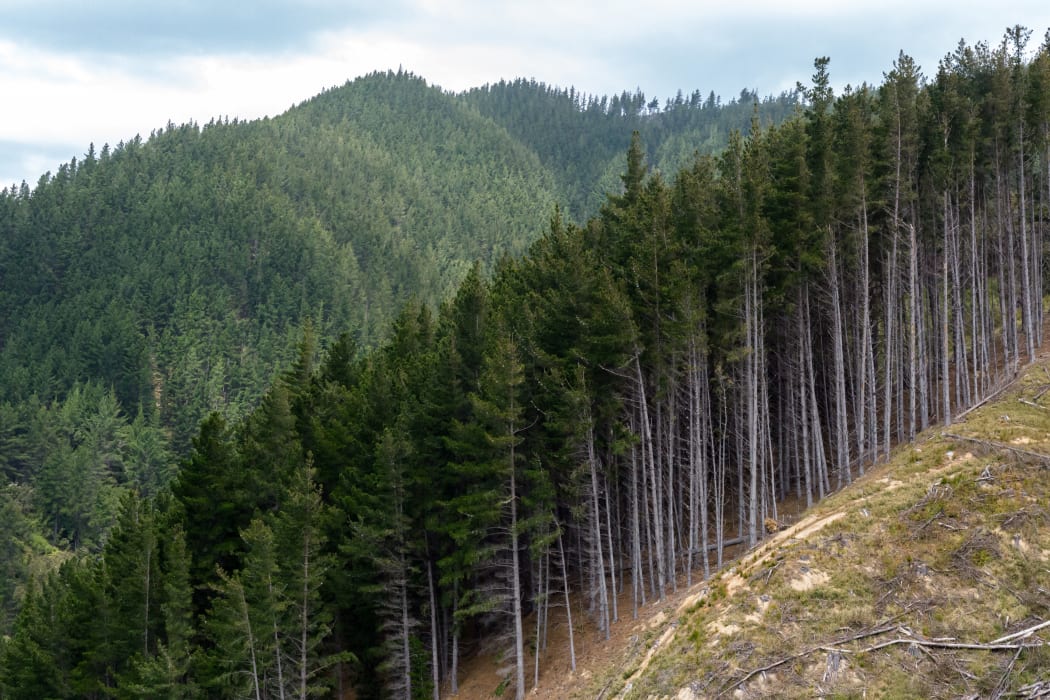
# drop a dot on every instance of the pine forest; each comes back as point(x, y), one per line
point(402, 374)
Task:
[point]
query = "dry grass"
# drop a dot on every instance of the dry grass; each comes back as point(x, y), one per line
point(946, 545)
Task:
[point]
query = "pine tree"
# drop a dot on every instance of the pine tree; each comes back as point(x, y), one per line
point(214, 504)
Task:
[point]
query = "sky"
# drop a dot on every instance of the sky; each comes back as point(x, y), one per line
point(74, 73)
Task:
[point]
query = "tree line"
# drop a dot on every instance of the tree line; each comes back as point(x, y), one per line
point(171, 274)
point(591, 422)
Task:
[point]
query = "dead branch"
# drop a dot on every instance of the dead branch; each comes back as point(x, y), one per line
point(1023, 633)
point(1026, 402)
point(930, 643)
point(862, 635)
point(1000, 687)
point(1044, 459)
point(906, 637)
point(995, 393)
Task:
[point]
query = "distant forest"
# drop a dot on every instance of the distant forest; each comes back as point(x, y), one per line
point(520, 372)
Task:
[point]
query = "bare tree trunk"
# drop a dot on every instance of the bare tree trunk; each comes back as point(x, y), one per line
point(637, 582)
point(720, 470)
point(866, 419)
point(819, 455)
point(807, 463)
point(669, 427)
point(694, 462)
point(454, 670)
point(406, 637)
point(891, 337)
point(146, 596)
point(751, 371)
point(963, 393)
point(519, 635)
point(568, 605)
point(649, 459)
point(276, 641)
point(435, 670)
point(1009, 255)
point(541, 605)
point(915, 345)
point(837, 340)
point(256, 680)
point(1030, 331)
point(946, 311)
point(612, 553)
point(596, 533)
point(703, 412)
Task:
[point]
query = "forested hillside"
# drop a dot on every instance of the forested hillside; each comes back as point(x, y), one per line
point(603, 414)
point(580, 138)
point(148, 284)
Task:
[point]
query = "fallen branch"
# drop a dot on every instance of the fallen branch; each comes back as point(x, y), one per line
point(1022, 633)
point(1026, 402)
point(1001, 644)
point(1039, 689)
point(1046, 388)
point(1000, 687)
point(993, 445)
point(862, 635)
point(930, 643)
point(995, 392)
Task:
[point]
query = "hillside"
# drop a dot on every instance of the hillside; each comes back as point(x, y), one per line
point(927, 577)
point(178, 270)
point(581, 138)
point(566, 433)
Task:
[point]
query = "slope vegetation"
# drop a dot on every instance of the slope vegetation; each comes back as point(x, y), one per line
point(925, 578)
point(179, 269)
point(626, 402)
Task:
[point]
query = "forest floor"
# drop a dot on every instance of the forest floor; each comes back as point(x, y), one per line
point(929, 576)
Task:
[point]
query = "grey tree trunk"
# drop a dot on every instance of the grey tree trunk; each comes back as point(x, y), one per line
point(601, 591)
point(519, 634)
point(842, 458)
point(648, 459)
point(568, 605)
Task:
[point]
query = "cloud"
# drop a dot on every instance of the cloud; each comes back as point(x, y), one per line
point(135, 27)
point(27, 161)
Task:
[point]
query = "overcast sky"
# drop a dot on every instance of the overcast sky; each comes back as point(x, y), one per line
point(74, 72)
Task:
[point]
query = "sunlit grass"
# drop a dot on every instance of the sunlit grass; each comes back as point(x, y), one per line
point(949, 540)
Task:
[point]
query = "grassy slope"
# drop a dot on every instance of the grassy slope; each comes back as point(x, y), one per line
point(948, 543)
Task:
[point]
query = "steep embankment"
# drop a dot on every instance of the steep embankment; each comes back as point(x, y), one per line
point(929, 576)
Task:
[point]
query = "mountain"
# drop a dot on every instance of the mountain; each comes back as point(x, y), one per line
point(151, 283)
point(581, 138)
point(178, 270)
point(568, 432)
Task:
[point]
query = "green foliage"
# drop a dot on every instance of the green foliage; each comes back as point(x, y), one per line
point(173, 272)
point(21, 543)
point(495, 394)
point(268, 622)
